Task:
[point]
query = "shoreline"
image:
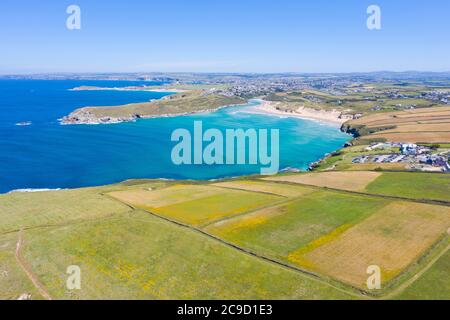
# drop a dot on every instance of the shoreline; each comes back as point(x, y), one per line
point(144, 89)
point(86, 119)
point(37, 190)
point(264, 107)
point(270, 108)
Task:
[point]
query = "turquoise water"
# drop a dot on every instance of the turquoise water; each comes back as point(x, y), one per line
point(46, 154)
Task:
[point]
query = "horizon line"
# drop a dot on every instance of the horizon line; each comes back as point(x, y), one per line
point(217, 72)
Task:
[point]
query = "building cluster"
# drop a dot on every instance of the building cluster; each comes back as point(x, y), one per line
point(440, 96)
point(413, 155)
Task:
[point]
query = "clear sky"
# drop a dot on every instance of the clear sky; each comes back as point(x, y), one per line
point(224, 36)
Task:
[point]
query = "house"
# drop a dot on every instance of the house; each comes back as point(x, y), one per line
point(409, 148)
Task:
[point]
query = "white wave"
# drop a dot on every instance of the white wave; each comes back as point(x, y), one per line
point(34, 190)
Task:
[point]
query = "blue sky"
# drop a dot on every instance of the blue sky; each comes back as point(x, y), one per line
point(224, 36)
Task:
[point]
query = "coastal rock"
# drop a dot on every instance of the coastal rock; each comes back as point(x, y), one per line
point(84, 116)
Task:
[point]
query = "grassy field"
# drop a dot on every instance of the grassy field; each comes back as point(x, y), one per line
point(266, 187)
point(137, 256)
point(196, 205)
point(127, 253)
point(392, 238)
point(427, 125)
point(376, 101)
point(419, 137)
point(432, 285)
point(26, 210)
point(412, 185)
point(13, 281)
point(181, 103)
point(371, 166)
point(403, 117)
point(352, 181)
point(278, 231)
point(342, 160)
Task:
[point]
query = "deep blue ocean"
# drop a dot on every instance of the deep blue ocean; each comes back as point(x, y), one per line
point(46, 154)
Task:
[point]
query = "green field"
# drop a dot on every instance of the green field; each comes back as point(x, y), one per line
point(26, 210)
point(123, 238)
point(412, 185)
point(137, 256)
point(196, 205)
point(434, 284)
point(279, 231)
point(374, 101)
point(288, 191)
point(13, 281)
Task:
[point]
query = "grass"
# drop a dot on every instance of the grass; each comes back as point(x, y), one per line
point(26, 210)
point(392, 238)
point(126, 253)
point(189, 102)
point(196, 205)
point(412, 185)
point(422, 125)
point(342, 160)
point(280, 230)
point(414, 137)
point(13, 281)
point(142, 257)
point(352, 181)
point(351, 102)
point(432, 285)
point(266, 187)
point(372, 166)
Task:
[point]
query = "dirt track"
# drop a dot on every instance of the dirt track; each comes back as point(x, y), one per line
point(27, 269)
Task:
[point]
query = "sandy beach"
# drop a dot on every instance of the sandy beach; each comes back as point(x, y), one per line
point(269, 107)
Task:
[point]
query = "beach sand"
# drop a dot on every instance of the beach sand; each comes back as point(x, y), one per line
point(269, 107)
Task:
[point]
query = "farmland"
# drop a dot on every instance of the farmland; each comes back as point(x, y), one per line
point(196, 205)
point(392, 238)
point(303, 236)
point(424, 186)
point(142, 257)
point(279, 230)
point(353, 181)
point(371, 99)
point(417, 125)
point(265, 187)
point(28, 210)
point(398, 184)
point(290, 236)
point(433, 284)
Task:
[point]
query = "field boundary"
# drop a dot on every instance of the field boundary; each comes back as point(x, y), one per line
point(353, 291)
point(377, 195)
point(416, 276)
point(262, 192)
point(242, 214)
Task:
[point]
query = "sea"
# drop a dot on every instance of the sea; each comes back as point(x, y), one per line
point(37, 152)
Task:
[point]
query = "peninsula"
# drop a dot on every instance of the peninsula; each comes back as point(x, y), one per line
point(172, 105)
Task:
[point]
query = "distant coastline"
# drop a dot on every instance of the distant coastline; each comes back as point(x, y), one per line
point(131, 88)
